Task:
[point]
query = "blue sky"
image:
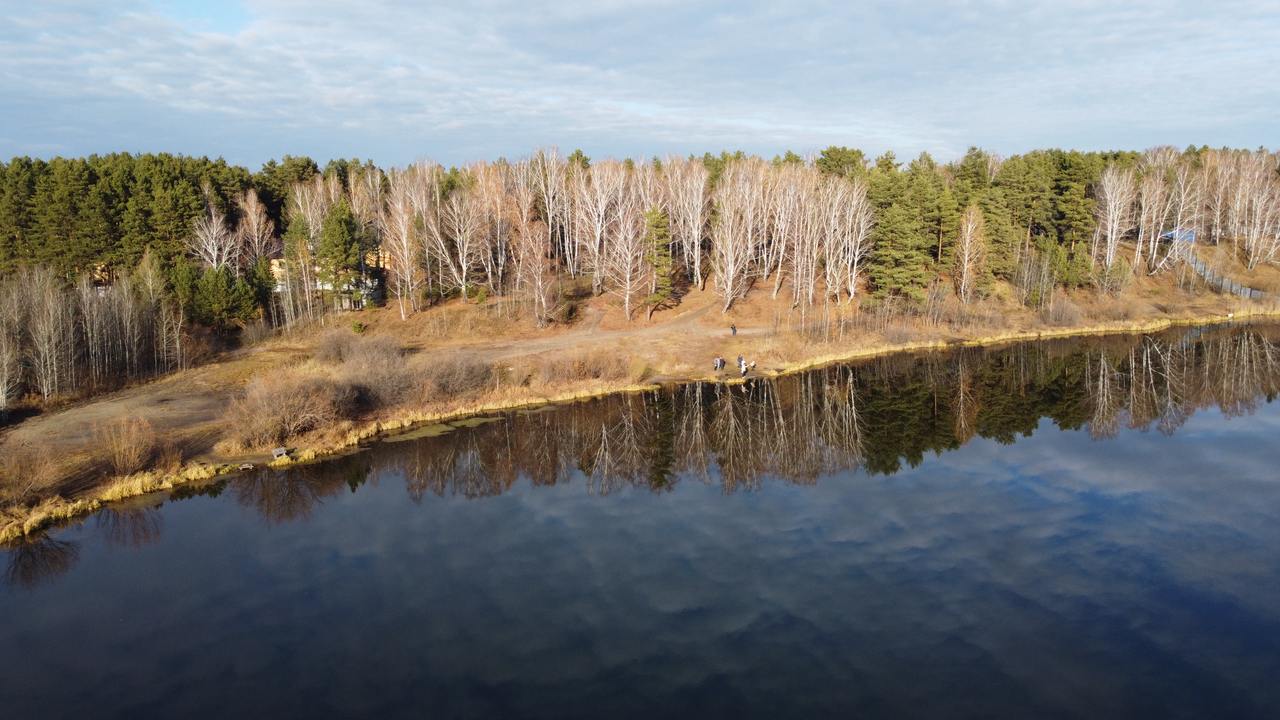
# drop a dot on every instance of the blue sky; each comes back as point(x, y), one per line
point(396, 80)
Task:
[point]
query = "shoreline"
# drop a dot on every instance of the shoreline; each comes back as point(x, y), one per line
point(56, 510)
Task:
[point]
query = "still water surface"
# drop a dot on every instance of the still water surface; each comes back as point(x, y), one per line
point(1080, 529)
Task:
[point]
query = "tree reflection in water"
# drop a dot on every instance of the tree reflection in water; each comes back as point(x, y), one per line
point(875, 416)
point(39, 560)
point(131, 527)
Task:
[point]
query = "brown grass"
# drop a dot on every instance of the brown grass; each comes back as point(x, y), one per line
point(25, 472)
point(127, 445)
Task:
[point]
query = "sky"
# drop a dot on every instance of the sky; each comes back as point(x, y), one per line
point(397, 81)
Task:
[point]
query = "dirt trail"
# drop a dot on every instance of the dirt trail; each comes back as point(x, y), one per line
point(186, 407)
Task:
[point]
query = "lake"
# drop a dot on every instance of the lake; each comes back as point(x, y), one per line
point(1074, 529)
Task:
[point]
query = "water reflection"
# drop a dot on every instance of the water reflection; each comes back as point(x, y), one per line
point(877, 416)
point(39, 560)
point(130, 527)
point(1069, 575)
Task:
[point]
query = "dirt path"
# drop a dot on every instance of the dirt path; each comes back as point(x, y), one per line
point(592, 336)
point(186, 407)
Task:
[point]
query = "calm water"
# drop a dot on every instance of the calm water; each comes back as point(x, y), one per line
point(1086, 529)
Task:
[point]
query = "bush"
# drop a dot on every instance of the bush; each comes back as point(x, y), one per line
point(375, 367)
point(127, 445)
point(275, 408)
point(358, 327)
point(587, 365)
point(24, 472)
point(169, 458)
point(333, 346)
point(457, 376)
point(899, 334)
point(1062, 312)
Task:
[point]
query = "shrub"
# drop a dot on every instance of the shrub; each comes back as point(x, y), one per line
point(24, 471)
point(457, 376)
point(375, 367)
point(333, 346)
point(275, 408)
point(358, 327)
point(574, 367)
point(1062, 312)
point(899, 334)
point(169, 458)
point(127, 445)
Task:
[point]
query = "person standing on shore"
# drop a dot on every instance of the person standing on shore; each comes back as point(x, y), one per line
point(733, 329)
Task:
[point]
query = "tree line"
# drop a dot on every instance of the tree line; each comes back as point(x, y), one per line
point(217, 246)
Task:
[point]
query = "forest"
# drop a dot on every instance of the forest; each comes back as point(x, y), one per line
point(119, 267)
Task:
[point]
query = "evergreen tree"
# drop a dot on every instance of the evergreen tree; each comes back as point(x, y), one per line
point(658, 239)
point(787, 158)
point(338, 250)
point(886, 184)
point(948, 221)
point(578, 159)
point(221, 299)
point(183, 277)
point(900, 259)
point(1003, 239)
point(842, 162)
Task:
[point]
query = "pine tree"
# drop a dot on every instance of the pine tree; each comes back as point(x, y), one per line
point(338, 250)
point(658, 240)
point(842, 162)
point(221, 299)
point(1003, 239)
point(900, 261)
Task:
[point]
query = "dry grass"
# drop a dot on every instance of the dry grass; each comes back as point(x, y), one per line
point(127, 444)
point(169, 458)
point(25, 473)
point(1062, 312)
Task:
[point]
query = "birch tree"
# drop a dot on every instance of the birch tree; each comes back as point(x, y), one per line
point(212, 239)
point(689, 208)
point(401, 240)
point(598, 194)
point(1116, 192)
point(847, 233)
point(532, 247)
point(12, 320)
point(625, 253)
point(1255, 217)
point(1154, 201)
point(464, 222)
point(734, 237)
point(492, 186)
point(970, 253)
point(256, 233)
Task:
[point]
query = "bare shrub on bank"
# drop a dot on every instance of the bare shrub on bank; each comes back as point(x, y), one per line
point(1062, 312)
point(333, 346)
point(453, 377)
point(277, 407)
point(127, 445)
point(24, 472)
point(375, 367)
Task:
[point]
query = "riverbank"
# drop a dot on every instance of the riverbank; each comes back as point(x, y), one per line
point(349, 437)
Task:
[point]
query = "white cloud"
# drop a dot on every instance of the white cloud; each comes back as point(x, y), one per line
point(397, 81)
